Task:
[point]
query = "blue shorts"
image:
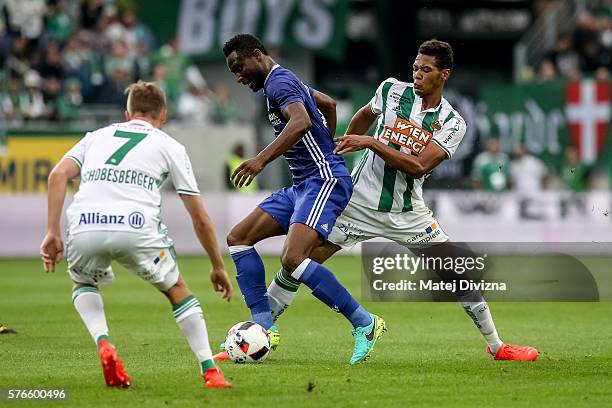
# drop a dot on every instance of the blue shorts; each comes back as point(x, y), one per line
point(315, 202)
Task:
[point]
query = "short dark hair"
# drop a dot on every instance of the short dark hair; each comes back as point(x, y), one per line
point(441, 50)
point(243, 44)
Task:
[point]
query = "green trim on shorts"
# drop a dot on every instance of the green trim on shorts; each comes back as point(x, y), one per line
point(173, 253)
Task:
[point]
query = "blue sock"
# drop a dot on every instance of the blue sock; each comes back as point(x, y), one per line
point(360, 317)
point(251, 279)
point(328, 290)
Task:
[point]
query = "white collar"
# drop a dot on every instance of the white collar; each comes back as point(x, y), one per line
point(140, 122)
point(432, 109)
point(269, 73)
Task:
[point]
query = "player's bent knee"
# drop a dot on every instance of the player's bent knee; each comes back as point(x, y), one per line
point(236, 238)
point(291, 261)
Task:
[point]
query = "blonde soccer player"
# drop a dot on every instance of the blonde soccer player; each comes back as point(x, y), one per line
point(116, 216)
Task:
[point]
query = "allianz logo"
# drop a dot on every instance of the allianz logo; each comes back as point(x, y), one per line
point(135, 220)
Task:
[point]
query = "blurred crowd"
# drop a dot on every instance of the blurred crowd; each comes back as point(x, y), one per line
point(585, 51)
point(57, 55)
point(495, 171)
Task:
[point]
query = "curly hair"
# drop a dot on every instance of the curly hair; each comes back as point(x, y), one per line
point(440, 50)
point(243, 44)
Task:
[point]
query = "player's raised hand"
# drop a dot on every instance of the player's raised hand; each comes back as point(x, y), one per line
point(246, 172)
point(351, 143)
point(221, 283)
point(51, 251)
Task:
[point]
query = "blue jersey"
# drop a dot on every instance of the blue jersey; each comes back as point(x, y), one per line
point(311, 156)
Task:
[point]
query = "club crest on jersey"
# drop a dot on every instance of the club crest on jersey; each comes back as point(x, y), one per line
point(436, 125)
point(406, 134)
point(97, 218)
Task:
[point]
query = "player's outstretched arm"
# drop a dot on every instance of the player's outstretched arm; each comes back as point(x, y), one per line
point(414, 166)
point(298, 124)
point(52, 247)
point(327, 106)
point(205, 231)
point(361, 121)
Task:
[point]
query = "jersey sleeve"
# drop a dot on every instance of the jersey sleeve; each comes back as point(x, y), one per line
point(451, 134)
point(286, 91)
point(77, 152)
point(181, 172)
point(376, 103)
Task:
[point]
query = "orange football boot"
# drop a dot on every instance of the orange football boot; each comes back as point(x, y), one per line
point(213, 378)
point(510, 352)
point(114, 373)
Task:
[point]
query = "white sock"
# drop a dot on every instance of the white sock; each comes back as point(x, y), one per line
point(88, 303)
point(476, 307)
point(190, 318)
point(281, 292)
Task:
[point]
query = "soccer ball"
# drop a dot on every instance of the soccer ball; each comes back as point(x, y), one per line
point(247, 342)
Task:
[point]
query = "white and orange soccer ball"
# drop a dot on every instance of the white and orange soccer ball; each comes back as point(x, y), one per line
point(247, 342)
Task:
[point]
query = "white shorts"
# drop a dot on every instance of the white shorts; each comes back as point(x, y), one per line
point(358, 223)
point(89, 255)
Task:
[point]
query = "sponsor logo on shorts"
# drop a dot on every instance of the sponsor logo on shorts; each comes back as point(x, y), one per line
point(160, 258)
point(427, 235)
point(136, 220)
point(97, 218)
point(325, 227)
point(350, 231)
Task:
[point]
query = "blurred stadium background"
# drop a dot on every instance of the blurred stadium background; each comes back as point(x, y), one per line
point(532, 80)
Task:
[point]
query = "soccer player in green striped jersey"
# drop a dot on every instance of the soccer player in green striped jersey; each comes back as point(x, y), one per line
point(416, 129)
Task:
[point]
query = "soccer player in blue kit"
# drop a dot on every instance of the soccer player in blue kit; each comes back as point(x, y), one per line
point(306, 211)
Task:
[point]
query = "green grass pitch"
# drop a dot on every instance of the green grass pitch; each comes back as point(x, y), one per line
point(431, 355)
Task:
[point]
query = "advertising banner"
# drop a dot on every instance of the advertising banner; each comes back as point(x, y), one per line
point(556, 217)
point(547, 117)
point(203, 26)
point(28, 160)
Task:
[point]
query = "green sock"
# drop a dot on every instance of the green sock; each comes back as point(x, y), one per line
point(102, 337)
point(207, 364)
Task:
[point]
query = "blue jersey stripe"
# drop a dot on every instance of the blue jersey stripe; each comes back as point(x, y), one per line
point(317, 154)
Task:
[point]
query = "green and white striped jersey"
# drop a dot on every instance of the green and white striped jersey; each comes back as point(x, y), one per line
point(403, 126)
